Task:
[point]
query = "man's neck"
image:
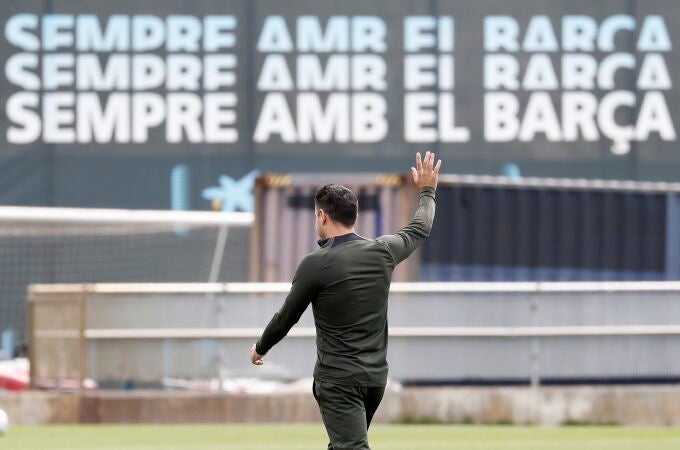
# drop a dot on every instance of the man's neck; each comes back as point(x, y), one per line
point(340, 232)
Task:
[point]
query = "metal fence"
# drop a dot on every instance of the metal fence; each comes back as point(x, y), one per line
point(440, 332)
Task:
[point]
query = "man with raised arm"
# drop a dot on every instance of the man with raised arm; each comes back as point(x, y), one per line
point(347, 281)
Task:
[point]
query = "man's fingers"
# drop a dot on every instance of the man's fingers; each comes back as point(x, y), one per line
point(425, 173)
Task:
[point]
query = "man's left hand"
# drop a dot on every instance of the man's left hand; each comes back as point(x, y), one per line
point(255, 357)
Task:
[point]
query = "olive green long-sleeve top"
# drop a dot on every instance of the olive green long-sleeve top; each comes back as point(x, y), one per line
point(347, 281)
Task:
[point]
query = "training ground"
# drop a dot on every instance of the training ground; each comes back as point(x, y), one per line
point(312, 437)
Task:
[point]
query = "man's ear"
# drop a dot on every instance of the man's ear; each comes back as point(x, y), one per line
point(324, 216)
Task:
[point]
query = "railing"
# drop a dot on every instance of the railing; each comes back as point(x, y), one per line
point(504, 331)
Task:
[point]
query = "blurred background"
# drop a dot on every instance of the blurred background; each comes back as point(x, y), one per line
point(158, 163)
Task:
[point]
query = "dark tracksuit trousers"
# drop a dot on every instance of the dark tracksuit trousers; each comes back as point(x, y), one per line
point(347, 281)
point(347, 412)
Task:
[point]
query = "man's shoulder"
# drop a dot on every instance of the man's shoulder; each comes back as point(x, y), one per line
point(312, 259)
point(364, 247)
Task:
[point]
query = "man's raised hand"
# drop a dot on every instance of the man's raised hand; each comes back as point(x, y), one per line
point(426, 174)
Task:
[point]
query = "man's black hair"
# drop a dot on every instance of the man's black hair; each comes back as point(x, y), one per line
point(339, 202)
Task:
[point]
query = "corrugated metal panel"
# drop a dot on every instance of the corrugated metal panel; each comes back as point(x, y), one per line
point(284, 218)
point(497, 230)
point(673, 237)
point(487, 228)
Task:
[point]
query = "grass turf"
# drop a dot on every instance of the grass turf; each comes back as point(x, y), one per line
point(312, 437)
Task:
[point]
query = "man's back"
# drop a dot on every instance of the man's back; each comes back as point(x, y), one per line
point(347, 281)
point(350, 310)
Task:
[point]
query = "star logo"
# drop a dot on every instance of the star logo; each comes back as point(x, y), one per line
point(232, 195)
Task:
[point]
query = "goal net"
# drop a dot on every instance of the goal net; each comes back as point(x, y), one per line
point(72, 245)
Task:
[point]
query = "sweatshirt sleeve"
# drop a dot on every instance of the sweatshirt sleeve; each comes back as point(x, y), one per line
point(301, 293)
point(405, 241)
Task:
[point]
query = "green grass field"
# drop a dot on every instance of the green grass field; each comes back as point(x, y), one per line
point(312, 437)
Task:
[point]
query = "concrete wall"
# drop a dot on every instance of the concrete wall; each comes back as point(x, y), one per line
point(643, 405)
point(36, 408)
point(625, 405)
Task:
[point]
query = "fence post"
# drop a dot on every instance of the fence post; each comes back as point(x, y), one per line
point(535, 354)
point(30, 339)
point(82, 348)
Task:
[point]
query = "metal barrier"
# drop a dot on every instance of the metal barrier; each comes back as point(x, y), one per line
point(440, 332)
